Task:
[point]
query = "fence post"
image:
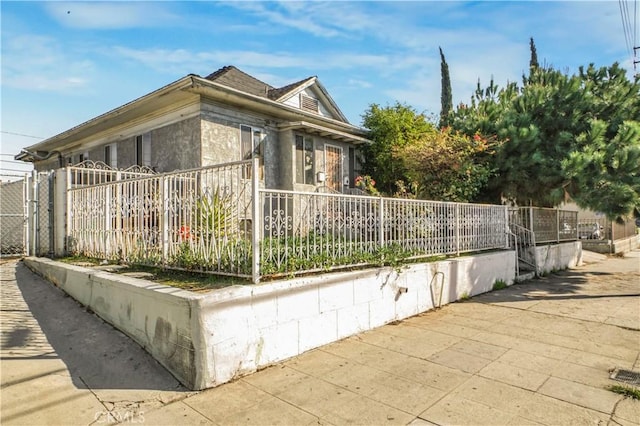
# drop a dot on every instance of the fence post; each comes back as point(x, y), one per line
point(67, 233)
point(531, 219)
point(164, 224)
point(508, 229)
point(34, 214)
point(381, 220)
point(255, 221)
point(457, 229)
point(557, 225)
point(107, 221)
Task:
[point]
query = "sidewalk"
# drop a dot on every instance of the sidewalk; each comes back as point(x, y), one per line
point(535, 353)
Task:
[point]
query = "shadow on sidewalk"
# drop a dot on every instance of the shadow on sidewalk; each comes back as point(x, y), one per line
point(563, 285)
point(97, 355)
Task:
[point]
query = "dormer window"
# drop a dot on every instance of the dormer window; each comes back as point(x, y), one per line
point(308, 103)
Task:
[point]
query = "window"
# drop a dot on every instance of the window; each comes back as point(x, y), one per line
point(352, 167)
point(111, 155)
point(252, 145)
point(308, 103)
point(304, 160)
point(143, 149)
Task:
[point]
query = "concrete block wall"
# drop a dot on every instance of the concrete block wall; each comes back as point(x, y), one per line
point(208, 339)
point(159, 318)
point(253, 327)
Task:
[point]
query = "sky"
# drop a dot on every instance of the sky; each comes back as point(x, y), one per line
point(64, 63)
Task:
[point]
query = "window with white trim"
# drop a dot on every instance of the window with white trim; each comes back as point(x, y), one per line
point(252, 145)
point(305, 164)
point(111, 155)
point(143, 150)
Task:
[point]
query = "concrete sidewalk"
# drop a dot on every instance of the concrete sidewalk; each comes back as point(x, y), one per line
point(535, 353)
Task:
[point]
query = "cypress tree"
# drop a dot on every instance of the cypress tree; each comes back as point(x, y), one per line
point(533, 62)
point(446, 101)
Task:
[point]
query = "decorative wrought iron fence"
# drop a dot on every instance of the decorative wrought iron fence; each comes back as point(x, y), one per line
point(320, 231)
point(196, 219)
point(90, 173)
point(548, 225)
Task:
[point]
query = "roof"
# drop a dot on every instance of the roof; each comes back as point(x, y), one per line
point(235, 78)
point(232, 77)
point(276, 94)
point(228, 84)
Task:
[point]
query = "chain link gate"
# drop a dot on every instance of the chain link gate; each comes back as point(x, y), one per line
point(26, 214)
point(13, 215)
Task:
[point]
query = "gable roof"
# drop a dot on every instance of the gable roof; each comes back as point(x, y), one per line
point(235, 78)
point(227, 84)
point(277, 94)
point(231, 76)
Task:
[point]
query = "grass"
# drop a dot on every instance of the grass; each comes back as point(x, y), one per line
point(627, 391)
point(186, 280)
point(465, 296)
point(499, 285)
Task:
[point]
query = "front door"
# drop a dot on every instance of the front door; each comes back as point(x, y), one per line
point(333, 166)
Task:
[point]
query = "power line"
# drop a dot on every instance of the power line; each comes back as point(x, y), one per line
point(21, 134)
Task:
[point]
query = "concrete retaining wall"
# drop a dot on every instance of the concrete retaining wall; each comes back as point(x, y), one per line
point(158, 317)
point(558, 256)
point(208, 339)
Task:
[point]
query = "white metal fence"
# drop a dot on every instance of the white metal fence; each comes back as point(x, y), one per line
point(320, 231)
point(205, 220)
point(195, 219)
point(548, 225)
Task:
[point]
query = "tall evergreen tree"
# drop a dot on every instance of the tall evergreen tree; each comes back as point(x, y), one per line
point(446, 99)
point(533, 62)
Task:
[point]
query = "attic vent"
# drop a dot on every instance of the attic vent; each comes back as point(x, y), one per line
point(308, 103)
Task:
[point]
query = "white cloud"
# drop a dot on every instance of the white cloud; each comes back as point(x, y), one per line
point(110, 15)
point(34, 62)
point(361, 84)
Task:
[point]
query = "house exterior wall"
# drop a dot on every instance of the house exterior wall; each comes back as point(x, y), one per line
point(220, 129)
point(173, 147)
point(319, 145)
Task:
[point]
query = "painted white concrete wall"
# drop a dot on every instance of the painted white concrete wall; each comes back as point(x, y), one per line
point(206, 340)
point(252, 327)
point(558, 256)
point(159, 318)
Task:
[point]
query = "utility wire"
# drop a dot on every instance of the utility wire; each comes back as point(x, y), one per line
point(21, 134)
point(625, 24)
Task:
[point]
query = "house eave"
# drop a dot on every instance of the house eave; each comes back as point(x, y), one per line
point(326, 132)
point(108, 120)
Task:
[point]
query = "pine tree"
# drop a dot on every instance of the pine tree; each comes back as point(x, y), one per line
point(446, 99)
point(533, 62)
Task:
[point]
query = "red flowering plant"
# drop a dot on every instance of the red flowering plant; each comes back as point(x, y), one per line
point(367, 184)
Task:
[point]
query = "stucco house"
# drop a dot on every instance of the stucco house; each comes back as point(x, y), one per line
point(302, 138)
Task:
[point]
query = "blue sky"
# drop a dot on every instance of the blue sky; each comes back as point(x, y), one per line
point(66, 62)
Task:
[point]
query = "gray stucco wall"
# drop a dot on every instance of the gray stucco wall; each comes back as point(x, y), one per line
point(173, 147)
point(221, 139)
point(177, 146)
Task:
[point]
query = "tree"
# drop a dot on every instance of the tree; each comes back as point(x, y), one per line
point(446, 165)
point(446, 99)
point(390, 127)
point(408, 151)
point(533, 62)
point(563, 136)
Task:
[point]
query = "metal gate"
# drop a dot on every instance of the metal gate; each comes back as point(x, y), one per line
point(26, 207)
